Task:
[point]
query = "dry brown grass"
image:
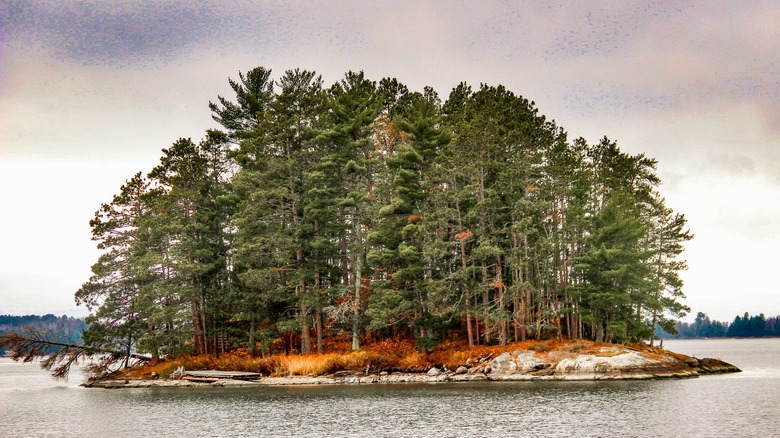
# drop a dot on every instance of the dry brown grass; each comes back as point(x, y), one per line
point(679, 356)
point(387, 355)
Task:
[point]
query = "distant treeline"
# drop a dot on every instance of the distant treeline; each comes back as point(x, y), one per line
point(745, 326)
point(66, 326)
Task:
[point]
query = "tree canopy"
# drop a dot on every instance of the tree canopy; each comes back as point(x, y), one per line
point(363, 211)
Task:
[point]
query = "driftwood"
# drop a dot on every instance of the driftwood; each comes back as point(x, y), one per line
point(58, 356)
point(214, 375)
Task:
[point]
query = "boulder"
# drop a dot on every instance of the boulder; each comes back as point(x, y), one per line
point(692, 362)
point(588, 364)
point(434, 372)
point(461, 370)
point(716, 366)
point(516, 362)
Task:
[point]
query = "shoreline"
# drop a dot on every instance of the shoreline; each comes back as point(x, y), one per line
point(393, 379)
point(608, 363)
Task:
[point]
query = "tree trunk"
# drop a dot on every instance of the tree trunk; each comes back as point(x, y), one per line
point(528, 305)
point(599, 331)
point(469, 329)
point(128, 350)
point(501, 303)
point(466, 291)
point(523, 315)
point(486, 304)
point(357, 303)
point(515, 322)
point(252, 342)
point(305, 335)
point(318, 315)
point(200, 341)
point(652, 333)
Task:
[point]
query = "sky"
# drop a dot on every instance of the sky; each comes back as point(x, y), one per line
point(91, 91)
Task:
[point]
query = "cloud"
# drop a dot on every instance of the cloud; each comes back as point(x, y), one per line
point(128, 32)
point(87, 84)
point(107, 32)
point(618, 57)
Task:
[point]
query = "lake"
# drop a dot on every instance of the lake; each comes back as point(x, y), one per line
point(743, 404)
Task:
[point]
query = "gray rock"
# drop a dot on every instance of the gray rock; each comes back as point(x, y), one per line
point(517, 362)
point(461, 370)
point(599, 365)
point(502, 359)
point(503, 364)
point(434, 371)
point(692, 361)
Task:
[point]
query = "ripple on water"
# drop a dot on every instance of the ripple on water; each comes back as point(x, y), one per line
point(731, 405)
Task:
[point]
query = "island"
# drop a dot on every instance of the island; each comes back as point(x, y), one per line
point(364, 232)
point(537, 361)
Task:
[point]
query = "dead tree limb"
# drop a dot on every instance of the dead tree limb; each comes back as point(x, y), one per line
point(55, 355)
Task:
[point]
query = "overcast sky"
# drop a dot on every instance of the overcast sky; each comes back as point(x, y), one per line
point(91, 91)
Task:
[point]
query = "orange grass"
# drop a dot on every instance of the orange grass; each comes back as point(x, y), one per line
point(387, 355)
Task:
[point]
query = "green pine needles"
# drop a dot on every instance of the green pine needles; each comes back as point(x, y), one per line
point(363, 211)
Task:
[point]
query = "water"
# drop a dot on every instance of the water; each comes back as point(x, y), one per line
point(744, 404)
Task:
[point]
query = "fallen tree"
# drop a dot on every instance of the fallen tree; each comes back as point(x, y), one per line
point(57, 355)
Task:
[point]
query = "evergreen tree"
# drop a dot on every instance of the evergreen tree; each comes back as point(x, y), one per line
point(401, 295)
point(350, 163)
point(191, 179)
point(367, 210)
point(119, 310)
point(614, 271)
point(666, 236)
point(254, 93)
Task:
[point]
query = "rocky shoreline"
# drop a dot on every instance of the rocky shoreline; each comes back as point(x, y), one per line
point(608, 363)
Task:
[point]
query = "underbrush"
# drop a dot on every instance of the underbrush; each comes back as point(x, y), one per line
point(388, 355)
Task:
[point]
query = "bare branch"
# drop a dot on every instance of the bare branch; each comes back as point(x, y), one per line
point(56, 356)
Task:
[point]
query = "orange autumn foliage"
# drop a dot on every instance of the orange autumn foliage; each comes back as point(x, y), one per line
point(387, 355)
point(464, 235)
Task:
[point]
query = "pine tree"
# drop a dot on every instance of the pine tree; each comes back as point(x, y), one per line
point(113, 294)
point(401, 297)
point(366, 210)
point(254, 93)
point(191, 179)
point(614, 270)
point(666, 237)
point(349, 163)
